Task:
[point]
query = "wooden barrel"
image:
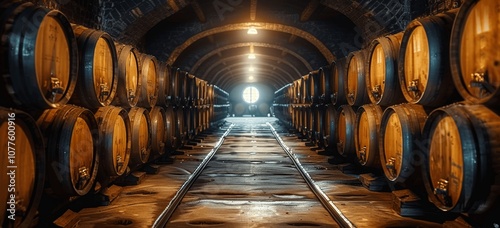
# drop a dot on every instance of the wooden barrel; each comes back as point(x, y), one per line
point(344, 135)
point(72, 135)
point(325, 76)
point(140, 123)
point(170, 126)
point(382, 79)
point(128, 91)
point(316, 87)
point(164, 71)
point(305, 90)
point(296, 97)
point(97, 79)
point(317, 115)
point(462, 166)
point(24, 179)
point(474, 52)
point(328, 127)
point(41, 57)
point(339, 80)
point(264, 109)
point(189, 122)
point(158, 131)
point(423, 65)
point(355, 86)
point(148, 81)
point(180, 128)
point(400, 144)
point(191, 90)
point(202, 92)
point(366, 135)
point(114, 141)
point(178, 86)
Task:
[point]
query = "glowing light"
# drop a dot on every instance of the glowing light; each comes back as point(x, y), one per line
point(252, 31)
point(251, 56)
point(251, 69)
point(251, 78)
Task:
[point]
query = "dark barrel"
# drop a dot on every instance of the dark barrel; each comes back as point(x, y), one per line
point(462, 158)
point(23, 142)
point(325, 76)
point(339, 80)
point(114, 141)
point(423, 65)
point(158, 131)
point(355, 86)
point(382, 79)
point(164, 71)
point(97, 79)
point(328, 127)
point(128, 91)
point(41, 57)
point(474, 55)
point(316, 86)
point(170, 125)
point(71, 135)
point(366, 135)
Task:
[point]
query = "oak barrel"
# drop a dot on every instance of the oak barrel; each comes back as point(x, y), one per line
point(170, 125)
point(148, 81)
point(339, 75)
point(401, 144)
point(366, 135)
point(180, 128)
point(164, 71)
point(382, 81)
point(344, 135)
point(316, 86)
point(24, 178)
point(128, 91)
point(140, 126)
point(114, 141)
point(328, 127)
point(97, 76)
point(474, 52)
point(305, 91)
point(423, 65)
point(41, 57)
point(71, 135)
point(325, 76)
point(462, 165)
point(158, 131)
point(355, 86)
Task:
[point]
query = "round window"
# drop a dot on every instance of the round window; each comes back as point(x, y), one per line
point(250, 95)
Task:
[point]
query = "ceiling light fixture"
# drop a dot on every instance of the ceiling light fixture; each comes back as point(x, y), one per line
point(252, 31)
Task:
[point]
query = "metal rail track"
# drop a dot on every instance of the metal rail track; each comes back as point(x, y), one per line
point(334, 212)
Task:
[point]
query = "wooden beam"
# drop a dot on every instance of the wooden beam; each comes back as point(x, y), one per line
point(309, 10)
point(199, 11)
point(253, 9)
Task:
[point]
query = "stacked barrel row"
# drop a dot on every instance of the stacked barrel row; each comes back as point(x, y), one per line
point(84, 109)
point(420, 105)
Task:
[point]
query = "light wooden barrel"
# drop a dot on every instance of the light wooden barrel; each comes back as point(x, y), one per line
point(97, 79)
point(158, 131)
point(338, 70)
point(41, 57)
point(72, 137)
point(423, 65)
point(164, 71)
point(23, 142)
point(140, 123)
point(462, 166)
point(355, 86)
point(474, 53)
point(382, 79)
point(170, 126)
point(128, 91)
point(114, 141)
point(344, 135)
point(366, 135)
point(400, 144)
point(148, 81)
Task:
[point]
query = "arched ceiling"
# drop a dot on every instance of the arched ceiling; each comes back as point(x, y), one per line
point(209, 38)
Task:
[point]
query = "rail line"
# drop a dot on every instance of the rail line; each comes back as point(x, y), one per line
point(333, 211)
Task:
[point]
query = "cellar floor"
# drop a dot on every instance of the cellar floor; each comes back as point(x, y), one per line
point(139, 205)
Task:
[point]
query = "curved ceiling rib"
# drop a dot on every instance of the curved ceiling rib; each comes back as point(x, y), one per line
point(329, 57)
point(285, 50)
point(251, 62)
